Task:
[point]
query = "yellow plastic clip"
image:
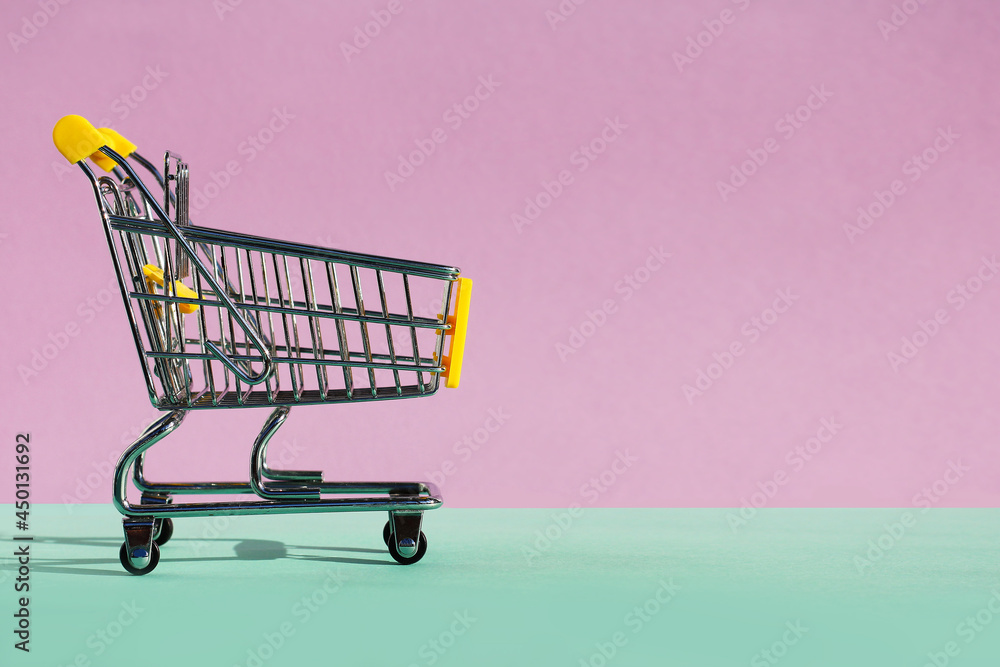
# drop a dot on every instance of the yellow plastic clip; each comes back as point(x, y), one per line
point(76, 138)
point(117, 143)
point(155, 274)
point(452, 361)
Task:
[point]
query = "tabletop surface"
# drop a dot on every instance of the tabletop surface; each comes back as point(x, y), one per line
point(506, 587)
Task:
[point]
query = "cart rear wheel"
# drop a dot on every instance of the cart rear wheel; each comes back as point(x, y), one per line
point(387, 532)
point(154, 558)
point(166, 531)
point(408, 560)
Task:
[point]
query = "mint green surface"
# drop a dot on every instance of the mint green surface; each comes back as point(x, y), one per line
point(224, 585)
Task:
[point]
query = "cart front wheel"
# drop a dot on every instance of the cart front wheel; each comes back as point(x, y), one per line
point(166, 531)
point(387, 532)
point(407, 560)
point(136, 565)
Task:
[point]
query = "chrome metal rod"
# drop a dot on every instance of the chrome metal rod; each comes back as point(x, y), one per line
point(395, 495)
point(179, 236)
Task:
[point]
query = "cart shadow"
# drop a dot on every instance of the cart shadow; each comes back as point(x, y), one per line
point(243, 550)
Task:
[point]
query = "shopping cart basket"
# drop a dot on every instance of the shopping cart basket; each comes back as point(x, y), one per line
point(228, 320)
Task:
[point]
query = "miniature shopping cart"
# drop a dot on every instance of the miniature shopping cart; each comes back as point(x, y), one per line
point(227, 320)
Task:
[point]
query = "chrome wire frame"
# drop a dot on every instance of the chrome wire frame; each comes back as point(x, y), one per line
point(285, 496)
point(270, 302)
point(252, 312)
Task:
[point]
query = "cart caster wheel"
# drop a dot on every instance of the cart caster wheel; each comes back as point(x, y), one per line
point(408, 560)
point(386, 532)
point(166, 532)
point(150, 565)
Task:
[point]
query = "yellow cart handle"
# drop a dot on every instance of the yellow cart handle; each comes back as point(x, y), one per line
point(117, 143)
point(452, 361)
point(77, 139)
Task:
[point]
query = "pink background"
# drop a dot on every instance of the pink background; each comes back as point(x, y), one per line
point(322, 181)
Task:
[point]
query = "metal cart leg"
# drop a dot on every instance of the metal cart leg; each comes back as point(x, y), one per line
point(163, 529)
point(292, 486)
point(148, 525)
point(314, 476)
point(140, 552)
point(156, 431)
